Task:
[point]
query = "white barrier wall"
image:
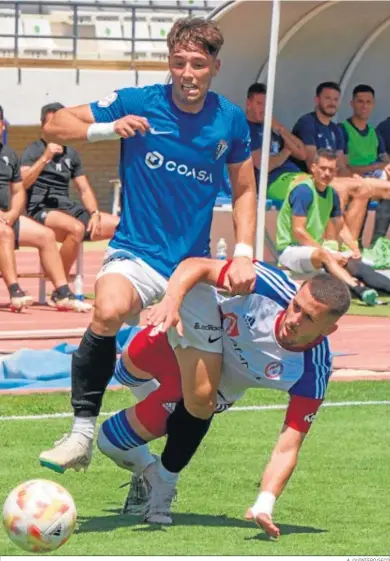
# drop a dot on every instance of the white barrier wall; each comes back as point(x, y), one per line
point(22, 93)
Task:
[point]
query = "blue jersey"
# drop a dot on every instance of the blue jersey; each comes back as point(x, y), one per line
point(277, 144)
point(171, 176)
point(383, 129)
point(301, 199)
point(314, 133)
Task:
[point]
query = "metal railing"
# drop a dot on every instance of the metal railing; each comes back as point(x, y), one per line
point(126, 7)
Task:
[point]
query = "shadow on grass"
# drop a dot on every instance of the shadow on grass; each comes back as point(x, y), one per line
point(285, 530)
point(111, 523)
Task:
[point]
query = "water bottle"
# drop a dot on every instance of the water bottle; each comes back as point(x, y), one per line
point(221, 252)
point(78, 287)
point(274, 147)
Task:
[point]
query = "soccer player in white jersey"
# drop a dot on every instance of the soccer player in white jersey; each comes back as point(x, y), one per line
point(274, 338)
point(176, 141)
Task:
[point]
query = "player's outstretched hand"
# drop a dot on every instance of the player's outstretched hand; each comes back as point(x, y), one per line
point(265, 522)
point(129, 125)
point(241, 276)
point(165, 314)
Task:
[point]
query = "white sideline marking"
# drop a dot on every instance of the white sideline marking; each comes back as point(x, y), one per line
point(242, 408)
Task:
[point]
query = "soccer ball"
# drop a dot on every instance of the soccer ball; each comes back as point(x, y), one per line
point(39, 515)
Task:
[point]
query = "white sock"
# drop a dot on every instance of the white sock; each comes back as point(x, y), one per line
point(84, 426)
point(143, 390)
point(166, 475)
point(135, 459)
point(139, 458)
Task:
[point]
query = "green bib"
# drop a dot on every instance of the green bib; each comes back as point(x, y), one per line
point(317, 218)
point(362, 150)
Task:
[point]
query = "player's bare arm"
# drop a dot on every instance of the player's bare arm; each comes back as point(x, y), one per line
point(18, 201)
point(31, 173)
point(291, 142)
point(300, 232)
point(274, 161)
point(311, 152)
point(346, 237)
point(241, 274)
point(342, 167)
point(165, 314)
point(278, 471)
point(78, 123)
point(300, 415)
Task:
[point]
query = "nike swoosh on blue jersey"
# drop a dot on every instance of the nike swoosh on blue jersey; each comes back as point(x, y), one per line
point(153, 131)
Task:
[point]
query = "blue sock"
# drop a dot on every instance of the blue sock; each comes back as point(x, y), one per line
point(125, 377)
point(120, 433)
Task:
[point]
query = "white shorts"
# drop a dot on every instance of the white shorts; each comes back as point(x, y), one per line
point(297, 258)
point(201, 320)
point(199, 311)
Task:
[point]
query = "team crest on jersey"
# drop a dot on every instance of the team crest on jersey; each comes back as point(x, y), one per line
point(273, 370)
point(68, 163)
point(108, 100)
point(6, 160)
point(222, 146)
point(230, 324)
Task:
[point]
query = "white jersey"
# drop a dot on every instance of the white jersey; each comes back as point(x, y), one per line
point(252, 356)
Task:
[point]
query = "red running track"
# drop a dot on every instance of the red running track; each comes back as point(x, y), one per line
point(365, 339)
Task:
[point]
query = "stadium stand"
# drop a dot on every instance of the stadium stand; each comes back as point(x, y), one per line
point(7, 26)
point(109, 26)
point(104, 30)
point(142, 49)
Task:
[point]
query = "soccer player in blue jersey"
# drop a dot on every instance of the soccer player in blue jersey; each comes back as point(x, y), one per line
point(175, 143)
point(274, 338)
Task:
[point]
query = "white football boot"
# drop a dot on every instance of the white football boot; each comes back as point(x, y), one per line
point(73, 451)
point(161, 495)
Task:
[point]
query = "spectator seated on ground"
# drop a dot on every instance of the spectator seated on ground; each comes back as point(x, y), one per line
point(282, 169)
point(17, 230)
point(310, 204)
point(317, 130)
point(47, 169)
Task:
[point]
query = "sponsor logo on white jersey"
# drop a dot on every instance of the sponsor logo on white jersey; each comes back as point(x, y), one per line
point(230, 324)
point(240, 353)
point(155, 160)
